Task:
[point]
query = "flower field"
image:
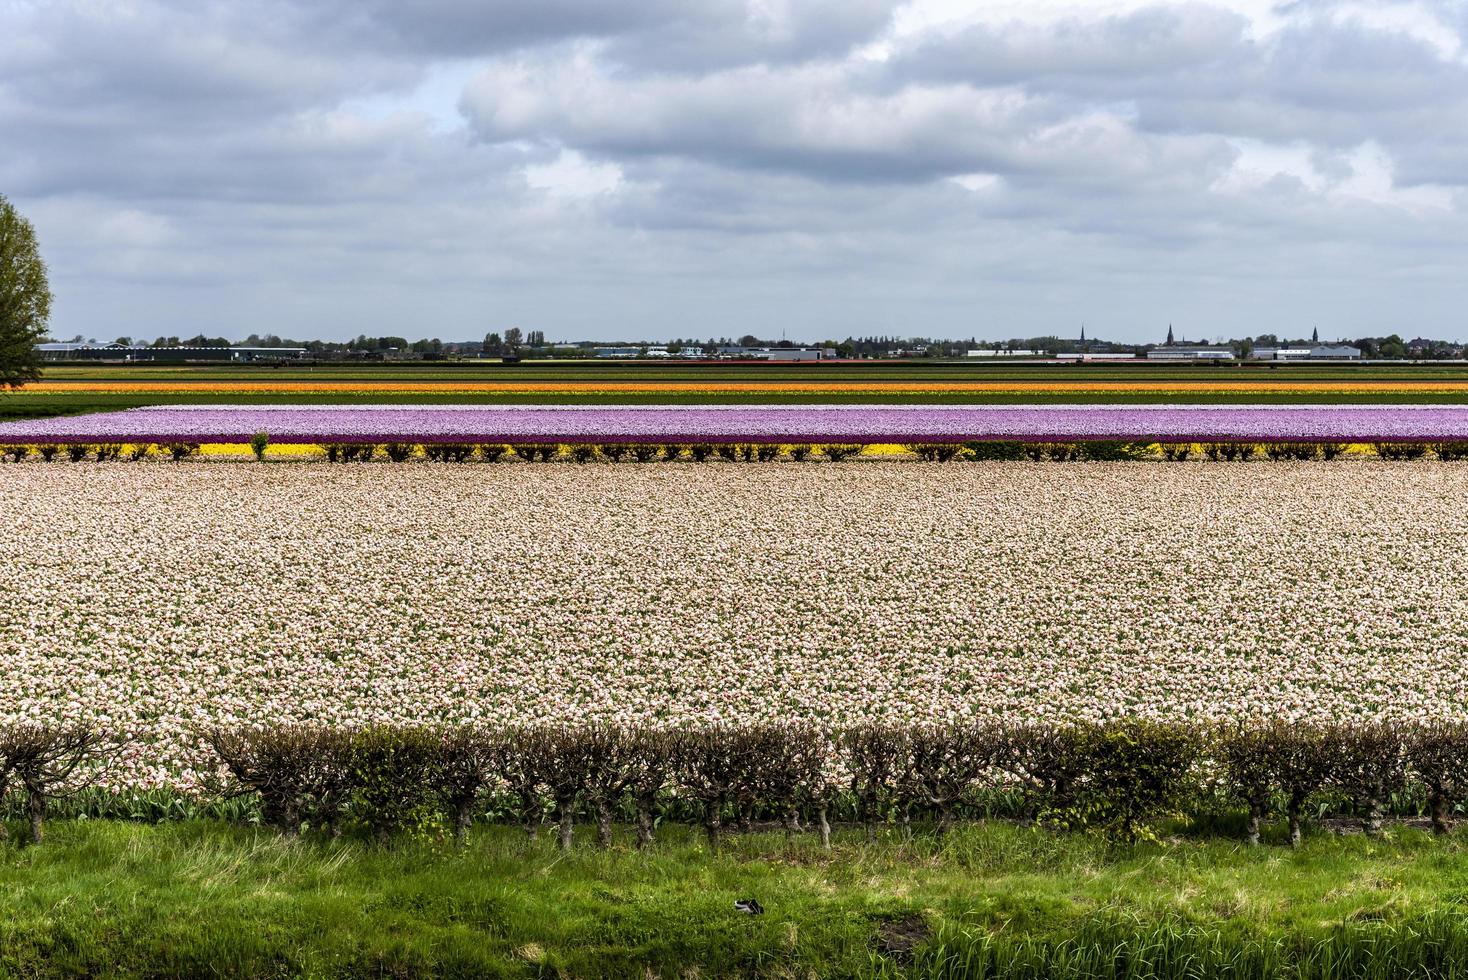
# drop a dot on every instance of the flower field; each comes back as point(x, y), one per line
point(769, 423)
point(792, 386)
point(157, 596)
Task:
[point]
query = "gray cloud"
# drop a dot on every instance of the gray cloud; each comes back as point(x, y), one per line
point(715, 167)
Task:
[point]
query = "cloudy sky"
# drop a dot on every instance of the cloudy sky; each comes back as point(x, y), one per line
point(817, 168)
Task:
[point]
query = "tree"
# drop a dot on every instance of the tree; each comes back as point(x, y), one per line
point(513, 337)
point(492, 343)
point(25, 298)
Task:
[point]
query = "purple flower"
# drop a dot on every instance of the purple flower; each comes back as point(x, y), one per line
point(767, 423)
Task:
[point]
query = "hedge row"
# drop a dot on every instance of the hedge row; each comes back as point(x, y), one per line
point(1114, 778)
point(462, 452)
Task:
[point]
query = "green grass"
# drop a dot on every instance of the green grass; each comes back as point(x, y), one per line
point(201, 898)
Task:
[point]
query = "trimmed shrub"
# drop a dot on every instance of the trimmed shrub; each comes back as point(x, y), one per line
point(258, 442)
point(836, 452)
point(140, 451)
point(355, 452)
point(1056, 452)
point(1400, 450)
point(77, 451)
point(700, 451)
point(643, 452)
point(795, 776)
point(1129, 772)
point(767, 453)
point(399, 451)
point(1176, 452)
point(301, 773)
point(394, 771)
point(15, 453)
point(933, 452)
point(800, 452)
point(947, 762)
point(45, 762)
point(672, 451)
point(491, 452)
point(650, 758)
point(583, 453)
point(1262, 760)
point(1368, 762)
point(1449, 452)
point(526, 757)
point(613, 451)
point(1002, 450)
point(1111, 450)
point(48, 451)
point(1300, 451)
point(710, 765)
point(875, 755)
point(1437, 753)
point(179, 451)
point(468, 763)
point(450, 452)
point(1230, 451)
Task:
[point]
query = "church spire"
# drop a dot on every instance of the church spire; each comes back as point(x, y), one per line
point(1315, 335)
point(1169, 335)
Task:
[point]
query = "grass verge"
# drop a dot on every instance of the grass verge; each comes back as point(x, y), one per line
point(196, 898)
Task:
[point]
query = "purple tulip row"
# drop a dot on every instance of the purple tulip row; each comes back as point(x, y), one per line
point(847, 423)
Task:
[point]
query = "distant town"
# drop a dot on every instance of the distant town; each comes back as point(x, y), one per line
point(513, 345)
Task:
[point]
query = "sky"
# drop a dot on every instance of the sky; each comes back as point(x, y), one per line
point(651, 169)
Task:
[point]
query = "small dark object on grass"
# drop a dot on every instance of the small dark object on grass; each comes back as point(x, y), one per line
point(749, 906)
point(898, 938)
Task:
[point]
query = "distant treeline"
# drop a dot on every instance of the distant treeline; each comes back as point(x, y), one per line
point(515, 341)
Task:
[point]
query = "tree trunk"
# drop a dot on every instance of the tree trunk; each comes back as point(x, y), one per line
point(1371, 818)
point(746, 817)
point(37, 807)
point(532, 816)
point(603, 824)
point(825, 826)
point(463, 817)
point(565, 811)
point(644, 824)
point(1256, 815)
point(1294, 815)
point(907, 821)
point(1439, 801)
point(945, 821)
point(792, 823)
point(713, 821)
